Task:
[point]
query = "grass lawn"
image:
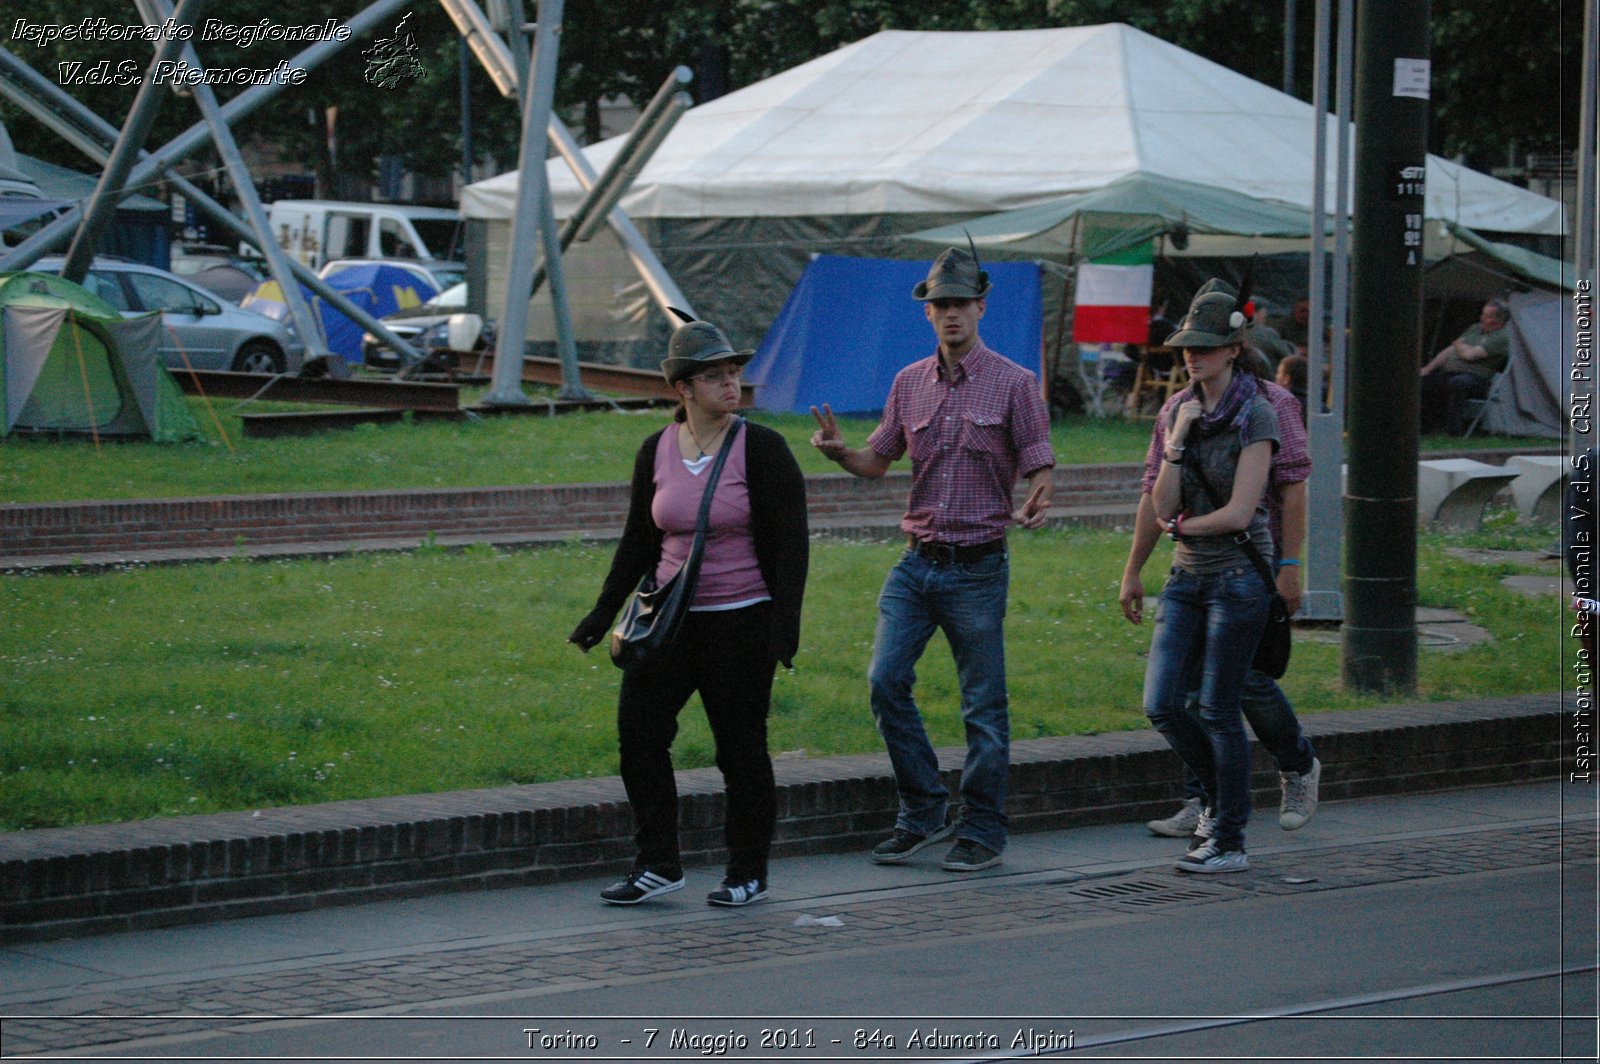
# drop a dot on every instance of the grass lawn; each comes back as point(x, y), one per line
point(238, 685)
point(485, 453)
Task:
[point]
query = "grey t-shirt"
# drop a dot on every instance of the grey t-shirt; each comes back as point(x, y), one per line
point(1218, 455)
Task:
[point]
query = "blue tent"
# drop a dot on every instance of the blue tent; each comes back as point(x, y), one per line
point(376, 288)
point(850, 325)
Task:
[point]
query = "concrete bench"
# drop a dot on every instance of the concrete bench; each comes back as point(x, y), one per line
point(1452, 492)
point(1537, 489)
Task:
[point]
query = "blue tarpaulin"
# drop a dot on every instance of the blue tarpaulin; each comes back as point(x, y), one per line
point(850, 325)
point(376, 288)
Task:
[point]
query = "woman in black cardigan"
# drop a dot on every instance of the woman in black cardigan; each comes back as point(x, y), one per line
point(745, 616)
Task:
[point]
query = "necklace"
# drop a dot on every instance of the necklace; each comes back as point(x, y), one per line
point(704, 447)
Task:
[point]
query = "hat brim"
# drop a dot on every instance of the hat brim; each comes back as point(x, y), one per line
point(949, 290)
point(1197, 339)
point(675, 369)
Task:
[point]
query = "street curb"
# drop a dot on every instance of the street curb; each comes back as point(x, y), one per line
point(66, 882)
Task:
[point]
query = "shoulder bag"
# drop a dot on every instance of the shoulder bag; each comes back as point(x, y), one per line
point(653, 615)
point(1272, 653)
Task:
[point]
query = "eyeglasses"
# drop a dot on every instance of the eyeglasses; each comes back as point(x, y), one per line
point(718, 376)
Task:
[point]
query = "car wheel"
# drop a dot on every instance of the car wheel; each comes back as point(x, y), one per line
point(258, 356)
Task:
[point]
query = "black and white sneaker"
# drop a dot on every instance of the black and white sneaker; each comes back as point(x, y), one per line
point(643, 884)
point(1213, 859)
point(734, 893)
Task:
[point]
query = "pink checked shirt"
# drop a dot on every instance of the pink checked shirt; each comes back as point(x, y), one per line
point(968, 436)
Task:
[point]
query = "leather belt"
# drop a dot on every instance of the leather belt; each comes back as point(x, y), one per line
point(948, 553)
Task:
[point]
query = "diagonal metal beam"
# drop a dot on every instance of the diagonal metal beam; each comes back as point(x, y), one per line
point(197, 135)
point(154, 13)
point(93, 136)
point(135, 130)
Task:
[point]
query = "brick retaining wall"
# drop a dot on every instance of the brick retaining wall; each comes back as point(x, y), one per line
point(71, 881)
point(227, 522)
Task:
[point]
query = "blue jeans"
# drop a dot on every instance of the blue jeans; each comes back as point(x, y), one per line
point(1270, 716)
point(967, 601)
point(1208, 626)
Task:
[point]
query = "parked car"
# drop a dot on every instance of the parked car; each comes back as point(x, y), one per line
point(425, 327)
point(199, 329)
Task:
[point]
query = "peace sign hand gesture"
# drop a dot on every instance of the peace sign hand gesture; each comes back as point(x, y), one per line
point(828, 439)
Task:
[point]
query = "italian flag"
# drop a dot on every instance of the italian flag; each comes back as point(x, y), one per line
point(1114, 298)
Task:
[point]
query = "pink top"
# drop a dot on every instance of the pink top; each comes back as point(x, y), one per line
point(729, 574)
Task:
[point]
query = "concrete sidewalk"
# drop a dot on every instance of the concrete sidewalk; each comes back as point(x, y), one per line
point(550, 955)
point(66, 882)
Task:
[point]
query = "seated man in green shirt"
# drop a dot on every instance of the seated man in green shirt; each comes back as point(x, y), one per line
point(1463, 370)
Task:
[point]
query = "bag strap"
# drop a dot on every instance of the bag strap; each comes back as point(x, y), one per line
point(703, 521)
point(691, 564)
point(1241, 538)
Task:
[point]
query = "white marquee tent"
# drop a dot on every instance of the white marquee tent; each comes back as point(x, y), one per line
point(904, 122)
point(904, 130)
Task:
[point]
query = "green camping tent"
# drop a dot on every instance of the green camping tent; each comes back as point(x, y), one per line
point(69, 363)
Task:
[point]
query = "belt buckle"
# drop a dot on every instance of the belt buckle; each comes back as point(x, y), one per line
point(944, 553)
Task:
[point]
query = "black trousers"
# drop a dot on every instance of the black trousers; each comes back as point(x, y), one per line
point(1444, 400)
point(727, 657)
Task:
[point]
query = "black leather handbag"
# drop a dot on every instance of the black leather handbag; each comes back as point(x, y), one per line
point(653, 615)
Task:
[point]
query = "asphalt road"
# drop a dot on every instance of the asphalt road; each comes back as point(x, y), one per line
point(1448, 926)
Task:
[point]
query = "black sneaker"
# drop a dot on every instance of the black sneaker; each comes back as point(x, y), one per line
point(643, 884)
point(902, 844)
point(734, 893)
point(969, 856)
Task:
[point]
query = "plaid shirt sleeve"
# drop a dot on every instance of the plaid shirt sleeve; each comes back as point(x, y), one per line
point(888, 440)
point(1030, 429)
point(1158, 447)
point(1292, 462)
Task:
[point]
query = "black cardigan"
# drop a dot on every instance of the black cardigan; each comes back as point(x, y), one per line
point(777, 526)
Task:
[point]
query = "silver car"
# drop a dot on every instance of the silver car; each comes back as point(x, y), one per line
point(198, 329)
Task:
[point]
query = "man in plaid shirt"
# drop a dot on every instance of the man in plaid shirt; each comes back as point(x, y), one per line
point(971, 421)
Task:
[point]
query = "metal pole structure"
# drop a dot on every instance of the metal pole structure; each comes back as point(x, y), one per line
point(1588, 201)
point(141, 118)
point(535, 219)
point(1391, 106)
point(1325, 419)
point(1288, 47)
point(464, 67)
point(1325, 439)
point(305, 323)
point(513, 63)
point(662, 288)
point(93, 136)
point(478, 35)
point(196, 136)
point(652, 127)
point(654, 123)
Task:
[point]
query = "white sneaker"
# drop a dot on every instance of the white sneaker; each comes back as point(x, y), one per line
point(1180, 824)
point(1299, 796)
point(1212, 859)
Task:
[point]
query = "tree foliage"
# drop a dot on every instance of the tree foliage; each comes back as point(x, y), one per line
point(1498, 66)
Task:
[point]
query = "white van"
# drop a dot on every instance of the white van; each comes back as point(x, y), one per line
point(314, 231)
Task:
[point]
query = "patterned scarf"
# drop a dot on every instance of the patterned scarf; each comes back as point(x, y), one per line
point(1232, 412)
